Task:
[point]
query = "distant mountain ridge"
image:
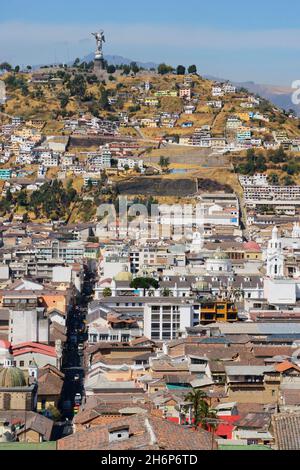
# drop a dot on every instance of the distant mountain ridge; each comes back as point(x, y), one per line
point(280, 96)
point(118, 60)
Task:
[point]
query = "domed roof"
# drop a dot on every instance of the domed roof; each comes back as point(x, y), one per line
point(220, 255)
point(124, 276)
point(252, 246)
point(201, 285)
point(11, 377)
point(5, 344)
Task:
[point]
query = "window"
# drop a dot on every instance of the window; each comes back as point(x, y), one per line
point(22, 363)
point(155, 309)
point(155, 335)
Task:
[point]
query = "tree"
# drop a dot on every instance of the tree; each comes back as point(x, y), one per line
point(180, 70)
point(17, 69)
point(5, 67)
point(192, 69)
point(24, 89)
point(273, 179)
point(278, 156)
point(202, 413)
point(54, 413)
point(107, 292)
point(22, 198)
point(288, 181)
point(126, 70)
point(164, 69)
point(104, 98)
point(196, 400)
point(25, 219)
point(8, 195)
point(89, 185)
point(164, 163)
point(64, 100)
point(77, 86)
point(144, 283)
point(111, 69)
point(134, 67)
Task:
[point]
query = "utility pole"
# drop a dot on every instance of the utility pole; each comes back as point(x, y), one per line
point(214, 423)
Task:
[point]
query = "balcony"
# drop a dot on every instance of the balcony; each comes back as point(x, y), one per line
point(20, 304)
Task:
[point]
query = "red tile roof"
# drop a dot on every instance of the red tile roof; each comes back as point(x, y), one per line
point(23, 348)
point(284, 366)
point(145, 432)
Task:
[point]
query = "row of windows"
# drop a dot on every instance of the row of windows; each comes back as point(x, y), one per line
point(164, 309)
point(165, 336)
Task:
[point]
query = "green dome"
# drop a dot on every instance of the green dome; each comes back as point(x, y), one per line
point(11, 377)
point(220, 255)
point(201, 285)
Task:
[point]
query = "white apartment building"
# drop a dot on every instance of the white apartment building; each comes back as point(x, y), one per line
point(68, 252)
point(217, 104)
point(272, 195)
point(67, 159)
point(257, 180)
point(49, 159)
point(25, 159)
point(165, 318)
point(228, 88)
point(217, 91)
point(131, 163)
point(100, 159)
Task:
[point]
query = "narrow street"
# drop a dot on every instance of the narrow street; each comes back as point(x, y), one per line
point(73, 354)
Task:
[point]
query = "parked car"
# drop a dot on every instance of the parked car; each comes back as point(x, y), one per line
point(78, 399)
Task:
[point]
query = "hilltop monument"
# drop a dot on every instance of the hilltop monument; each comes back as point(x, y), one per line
point(99, 69)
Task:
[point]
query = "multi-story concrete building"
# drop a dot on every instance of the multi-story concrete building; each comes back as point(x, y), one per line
point(165, 318)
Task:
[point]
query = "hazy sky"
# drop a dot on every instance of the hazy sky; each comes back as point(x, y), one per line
point(257, 40)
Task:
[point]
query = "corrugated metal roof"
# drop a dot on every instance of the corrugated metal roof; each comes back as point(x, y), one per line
point(248, 370)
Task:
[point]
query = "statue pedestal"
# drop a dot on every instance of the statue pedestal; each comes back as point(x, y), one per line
point(99, 69)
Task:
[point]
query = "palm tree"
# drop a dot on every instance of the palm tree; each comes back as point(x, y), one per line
point(201, 410)
point(197, 399)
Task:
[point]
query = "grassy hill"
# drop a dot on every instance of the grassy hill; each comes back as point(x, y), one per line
point(54, 100)
point(75, 91)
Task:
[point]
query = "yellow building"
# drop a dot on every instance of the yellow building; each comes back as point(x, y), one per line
point(244, 116)
point(218, 311)
point(253, 251)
